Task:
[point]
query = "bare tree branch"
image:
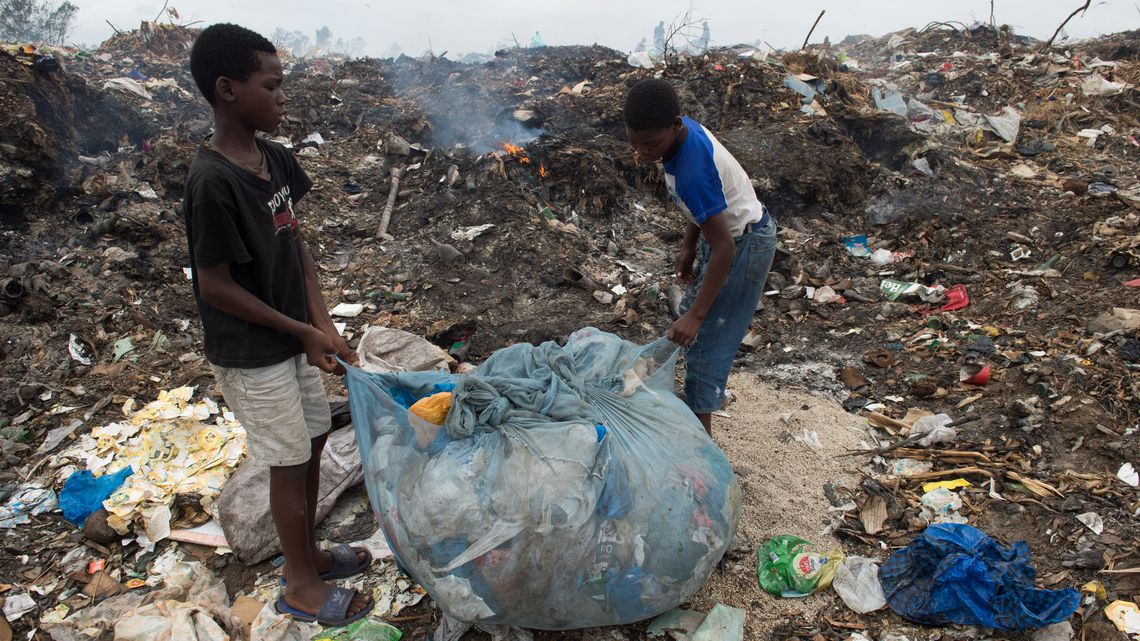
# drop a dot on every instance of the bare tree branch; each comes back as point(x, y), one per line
point(161, 11)
point(813, 26)
point(1071, 16)
point(679, 28)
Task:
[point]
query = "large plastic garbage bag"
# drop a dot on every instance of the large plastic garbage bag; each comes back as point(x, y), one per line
point(568, 486)
point(954, 573)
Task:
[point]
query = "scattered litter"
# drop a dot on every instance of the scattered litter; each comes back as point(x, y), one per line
point(857, 583)
point(909, 467)
point(79, 350)
point(17, 605)
point(27, 501)
point(857, 246)
point(933, 579)
point(941, 505)
point(1096, 85)
point(368, 629)
point(1125, 616)
point(786, 569)
point(347, 310)
point(1128, 474)
point(896, 289)
point(1092, 521)
point(84, 493)
point(471, 233)
point(1060, 631)
point(949, 485)
point(934, 429)
point(173, 451)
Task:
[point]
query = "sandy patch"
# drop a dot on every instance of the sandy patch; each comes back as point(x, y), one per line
point(782, 480)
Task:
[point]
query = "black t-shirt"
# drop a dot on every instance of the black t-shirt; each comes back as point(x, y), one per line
point(235, 216)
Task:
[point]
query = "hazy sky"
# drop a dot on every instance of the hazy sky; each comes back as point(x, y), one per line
point(465, 25)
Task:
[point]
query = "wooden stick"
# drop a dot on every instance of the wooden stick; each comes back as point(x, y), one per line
point(943, 454)
point(950, 268)
point(1040, 488)
point(386, 218)
point(884, 420)
point(820, 17)
point(1071, 16)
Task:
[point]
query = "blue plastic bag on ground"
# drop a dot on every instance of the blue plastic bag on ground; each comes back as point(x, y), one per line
point(954, 573)
point(568, 486)
point(83, 493)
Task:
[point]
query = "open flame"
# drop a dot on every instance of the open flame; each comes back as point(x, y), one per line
point(517, 152)
point(542, 171)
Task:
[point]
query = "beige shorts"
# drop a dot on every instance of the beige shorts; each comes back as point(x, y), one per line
point(282, 407)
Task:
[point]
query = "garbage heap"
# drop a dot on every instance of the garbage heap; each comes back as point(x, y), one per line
point(958, 227)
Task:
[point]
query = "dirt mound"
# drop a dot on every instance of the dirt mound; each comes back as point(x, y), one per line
point(50, 119)
point(1119, 46)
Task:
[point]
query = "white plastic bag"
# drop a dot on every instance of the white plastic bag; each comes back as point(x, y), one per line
point(857, 582)
point(640, 59)
point(384, 349)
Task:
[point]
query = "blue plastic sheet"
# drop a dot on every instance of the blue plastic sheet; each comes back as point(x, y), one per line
point(954, 573)
point(568, 487)
point(83, 493)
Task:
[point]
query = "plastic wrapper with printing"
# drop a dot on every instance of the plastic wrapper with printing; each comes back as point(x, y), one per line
point(567, 487)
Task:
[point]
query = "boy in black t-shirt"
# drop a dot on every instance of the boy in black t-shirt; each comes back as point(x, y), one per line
point(268, 333)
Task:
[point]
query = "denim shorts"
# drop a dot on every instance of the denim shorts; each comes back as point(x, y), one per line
point(708, 360)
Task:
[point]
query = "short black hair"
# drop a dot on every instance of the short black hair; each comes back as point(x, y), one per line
point(651, 104)
point(225, 50)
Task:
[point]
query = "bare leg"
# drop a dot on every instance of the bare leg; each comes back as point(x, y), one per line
point(322, 561)
point(305, 590)
point(312, 492)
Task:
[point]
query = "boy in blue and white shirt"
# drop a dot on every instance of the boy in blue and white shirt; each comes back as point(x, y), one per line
point(737, 238)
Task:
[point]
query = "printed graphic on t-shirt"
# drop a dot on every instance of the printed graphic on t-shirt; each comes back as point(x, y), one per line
point(284, 218)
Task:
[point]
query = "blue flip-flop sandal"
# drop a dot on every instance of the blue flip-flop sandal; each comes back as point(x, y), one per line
point(334, 609)
point(345, 564)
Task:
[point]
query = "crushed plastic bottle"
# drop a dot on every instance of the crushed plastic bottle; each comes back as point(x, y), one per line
point(787, 569)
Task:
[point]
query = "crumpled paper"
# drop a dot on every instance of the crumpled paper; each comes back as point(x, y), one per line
point(192, 604)
point(175, 447)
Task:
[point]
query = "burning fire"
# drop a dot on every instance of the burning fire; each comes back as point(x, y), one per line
point(542, 171)
point(517, 152)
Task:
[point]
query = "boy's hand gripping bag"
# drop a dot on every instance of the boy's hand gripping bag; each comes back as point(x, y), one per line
point(567, 487)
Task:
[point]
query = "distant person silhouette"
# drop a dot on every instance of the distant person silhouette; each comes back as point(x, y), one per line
point(703, 43)
point(659, 37)
point(536, 40)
